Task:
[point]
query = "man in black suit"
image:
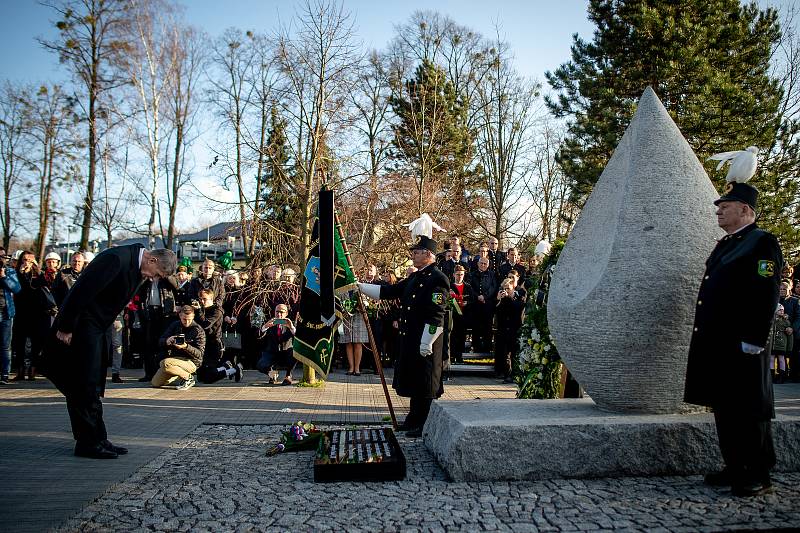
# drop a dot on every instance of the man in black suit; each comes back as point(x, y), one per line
point(423, 297)
point(728, 367)
point(79, 348)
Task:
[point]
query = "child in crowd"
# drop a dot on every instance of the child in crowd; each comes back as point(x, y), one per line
point(782, 341)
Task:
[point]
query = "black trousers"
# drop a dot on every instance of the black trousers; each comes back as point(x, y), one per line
point(154, 326)
point(457, 339)
point(79, 373)
point(418, 412)
point(745, 444)
point(482, 317)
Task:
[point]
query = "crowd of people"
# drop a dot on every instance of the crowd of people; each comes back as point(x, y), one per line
point(208, 324)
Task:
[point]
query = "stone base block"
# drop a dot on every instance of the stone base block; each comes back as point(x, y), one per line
point(552, 439)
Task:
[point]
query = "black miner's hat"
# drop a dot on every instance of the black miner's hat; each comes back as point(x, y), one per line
point(424, 243)
point(739, 192)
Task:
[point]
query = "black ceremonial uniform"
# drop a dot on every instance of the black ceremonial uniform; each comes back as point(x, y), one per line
point(736, 303)
point(423, 297)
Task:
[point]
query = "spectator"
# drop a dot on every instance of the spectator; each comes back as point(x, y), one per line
point(373, 310)
point(26, 324)
point(512, 263)
point(288, 292)
point(10, 286)
point(791, 307)
point(67, 277)
point(463, 295)
point(462, 255)
point(496, 256)
point(483, 251)
point(183, 279)
point(782, 338)
point(231, 338)
point(183, 343)
point(510, 307)
point(116, 347)
point(207, 279)
point(484, 285)
point(251, 316)
point(157, 311)
point(215, 366)
point(389, 318)
point(277, 334)
point(355, 333)
point(209, 316)
point(794, 359)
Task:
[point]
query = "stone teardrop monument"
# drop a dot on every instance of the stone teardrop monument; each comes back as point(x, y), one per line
point(621, 309)
point(622, 297)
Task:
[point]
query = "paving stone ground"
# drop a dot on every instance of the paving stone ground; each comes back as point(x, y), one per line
point(219, 479)
point(197, 462)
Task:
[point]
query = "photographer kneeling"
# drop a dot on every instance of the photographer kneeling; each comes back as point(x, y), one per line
point(185, 342)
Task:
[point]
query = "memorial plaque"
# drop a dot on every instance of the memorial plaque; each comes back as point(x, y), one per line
point(359, 454)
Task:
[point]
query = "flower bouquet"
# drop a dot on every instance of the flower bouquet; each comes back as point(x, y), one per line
point(300, 436)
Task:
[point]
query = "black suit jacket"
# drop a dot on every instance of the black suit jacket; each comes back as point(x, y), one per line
point(105, 286)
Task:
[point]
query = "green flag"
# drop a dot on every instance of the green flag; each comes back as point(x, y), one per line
point(313, 341)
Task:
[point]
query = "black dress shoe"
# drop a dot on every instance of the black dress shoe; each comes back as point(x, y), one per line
point(757, 488)
point(119, 450)
point(414, 433)
point(96, 451)
point(144, 379)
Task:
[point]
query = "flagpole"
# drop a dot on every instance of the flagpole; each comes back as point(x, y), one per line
point(375, 353)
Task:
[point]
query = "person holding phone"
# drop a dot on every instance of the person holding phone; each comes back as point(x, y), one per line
point(184, 341)
point(277, 334)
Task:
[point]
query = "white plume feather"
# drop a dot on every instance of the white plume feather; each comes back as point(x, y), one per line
point(424, 225)
point(743, 163)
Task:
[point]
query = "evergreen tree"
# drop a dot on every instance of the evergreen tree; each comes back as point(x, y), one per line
point(431, 138)
point(708, 61)
point(279, 199)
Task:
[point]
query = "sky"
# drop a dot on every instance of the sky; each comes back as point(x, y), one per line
point(538, 31)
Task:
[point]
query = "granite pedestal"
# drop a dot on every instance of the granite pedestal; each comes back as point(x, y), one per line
point(553, 439)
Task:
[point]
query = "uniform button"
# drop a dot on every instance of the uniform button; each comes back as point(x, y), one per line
point(695, 329)
point(699, 302)
point(420, 284)
point(706, 277)
point(413, 295)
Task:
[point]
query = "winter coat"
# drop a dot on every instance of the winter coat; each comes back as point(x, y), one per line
point(736, 303)
point(195, 342)
point(423, 298)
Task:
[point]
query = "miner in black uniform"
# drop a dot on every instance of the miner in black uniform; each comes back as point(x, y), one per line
point(423, 298)
point(729, 352)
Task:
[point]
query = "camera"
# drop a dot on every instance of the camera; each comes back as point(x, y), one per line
point(180, 339)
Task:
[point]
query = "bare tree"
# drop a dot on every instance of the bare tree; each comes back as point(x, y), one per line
point(150, 67)
point(91, 44)
point(114, 201)
point(549, 188)
point(188, 49)
point(370, 98)
point(507, 106)
point(50, 122)
point(12, 146)
point(231, 60)
point(317, 59)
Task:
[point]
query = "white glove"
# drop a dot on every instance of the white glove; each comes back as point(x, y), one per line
point(751, 348)
point(370, 290)
point(428, 338)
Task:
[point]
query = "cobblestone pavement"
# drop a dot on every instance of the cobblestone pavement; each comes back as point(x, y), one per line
point(218, 478)
point(42, 483)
